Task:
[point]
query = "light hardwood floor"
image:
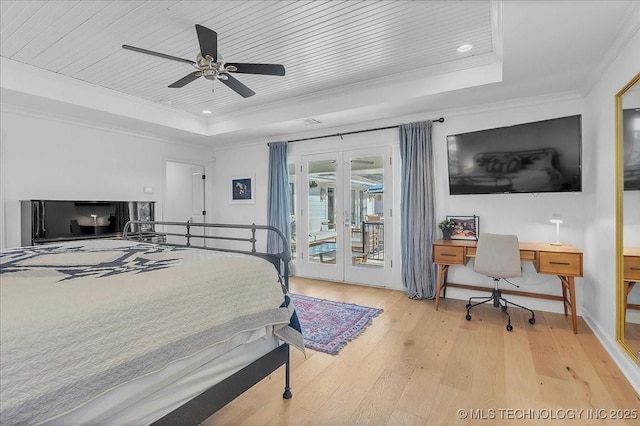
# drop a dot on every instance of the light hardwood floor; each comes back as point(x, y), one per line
point(418, 366)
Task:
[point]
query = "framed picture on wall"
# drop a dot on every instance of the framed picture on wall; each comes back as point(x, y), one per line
point(465, 228)
point(242, 190)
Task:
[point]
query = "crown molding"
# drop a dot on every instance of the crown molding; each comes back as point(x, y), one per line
point(6, 108)
point(48, 85)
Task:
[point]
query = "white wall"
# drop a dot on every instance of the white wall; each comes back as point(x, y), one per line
point(600, 261)
point(46, 157)
point(240, 162)
point(526, 215)
point(2, 186)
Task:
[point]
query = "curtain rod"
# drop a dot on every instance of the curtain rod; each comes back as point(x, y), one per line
point(439, 120)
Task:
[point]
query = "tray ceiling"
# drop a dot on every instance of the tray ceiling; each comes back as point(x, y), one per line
point(322, 44)
point(372, 50)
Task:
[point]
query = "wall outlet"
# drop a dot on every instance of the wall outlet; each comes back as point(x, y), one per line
point(148, 189)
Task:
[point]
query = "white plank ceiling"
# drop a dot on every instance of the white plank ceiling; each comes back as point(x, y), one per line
point(323, 45)
point(348, 63)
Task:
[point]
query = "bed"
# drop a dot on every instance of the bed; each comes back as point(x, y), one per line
point(124, 331)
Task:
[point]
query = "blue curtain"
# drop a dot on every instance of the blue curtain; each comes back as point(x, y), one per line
point(417, 214)
point(278, 196)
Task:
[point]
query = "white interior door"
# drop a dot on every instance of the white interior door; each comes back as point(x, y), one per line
point(344, 216)
point(184, 199)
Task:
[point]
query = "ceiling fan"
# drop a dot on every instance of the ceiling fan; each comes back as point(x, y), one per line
point(209, 65)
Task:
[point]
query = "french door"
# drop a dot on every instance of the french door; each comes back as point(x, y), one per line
point(344, 217)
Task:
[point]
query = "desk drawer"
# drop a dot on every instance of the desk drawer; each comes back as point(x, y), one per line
point(448, 255)
point(527, 255)
point(560, 263)
point(632, 268)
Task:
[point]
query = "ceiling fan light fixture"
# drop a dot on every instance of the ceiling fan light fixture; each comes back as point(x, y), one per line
point(464, 48)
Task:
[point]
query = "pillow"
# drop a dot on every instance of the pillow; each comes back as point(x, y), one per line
point(539, 160)
point(500, 163)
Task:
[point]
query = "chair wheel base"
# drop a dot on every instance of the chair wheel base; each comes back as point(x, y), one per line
point(468, 317)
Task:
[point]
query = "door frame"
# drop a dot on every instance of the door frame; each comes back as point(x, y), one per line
point(205, 189)
point(343, 270)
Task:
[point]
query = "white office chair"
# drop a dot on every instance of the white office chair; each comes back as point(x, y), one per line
point(498, 257)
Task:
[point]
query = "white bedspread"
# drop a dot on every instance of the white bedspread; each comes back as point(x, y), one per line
point(78, 319)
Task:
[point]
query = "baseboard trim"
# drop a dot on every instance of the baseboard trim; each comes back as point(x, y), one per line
point(622, 359)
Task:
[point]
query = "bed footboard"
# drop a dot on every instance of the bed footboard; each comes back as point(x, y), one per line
point(207, 403)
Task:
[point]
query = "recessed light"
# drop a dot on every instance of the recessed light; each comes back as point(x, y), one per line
point(206, 111)
point(465, 48)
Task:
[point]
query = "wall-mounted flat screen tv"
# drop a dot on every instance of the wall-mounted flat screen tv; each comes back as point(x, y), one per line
point(542, 156)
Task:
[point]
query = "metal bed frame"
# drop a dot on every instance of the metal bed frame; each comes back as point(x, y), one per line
point(207, 403)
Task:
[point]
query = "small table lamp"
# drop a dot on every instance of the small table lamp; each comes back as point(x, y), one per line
point(557, 219)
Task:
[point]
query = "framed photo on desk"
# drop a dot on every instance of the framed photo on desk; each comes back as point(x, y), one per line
point(465, 228)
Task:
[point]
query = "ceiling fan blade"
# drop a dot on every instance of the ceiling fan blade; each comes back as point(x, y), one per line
point(265, 69)
point(161, 55)
point(208, 40)
point(186, 79)
point(240, 88)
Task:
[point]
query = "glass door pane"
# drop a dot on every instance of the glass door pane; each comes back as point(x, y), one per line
point(292, 208)
point(321, 208)
point(368, 195)
point(319, 230)
point(367, 211)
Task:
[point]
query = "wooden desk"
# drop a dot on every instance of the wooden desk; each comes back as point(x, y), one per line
point(564, 261)
point(631, 274)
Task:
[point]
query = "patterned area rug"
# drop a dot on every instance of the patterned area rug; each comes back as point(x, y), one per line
point(327, 326)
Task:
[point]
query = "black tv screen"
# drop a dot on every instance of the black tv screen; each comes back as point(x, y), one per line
point(542, 156)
